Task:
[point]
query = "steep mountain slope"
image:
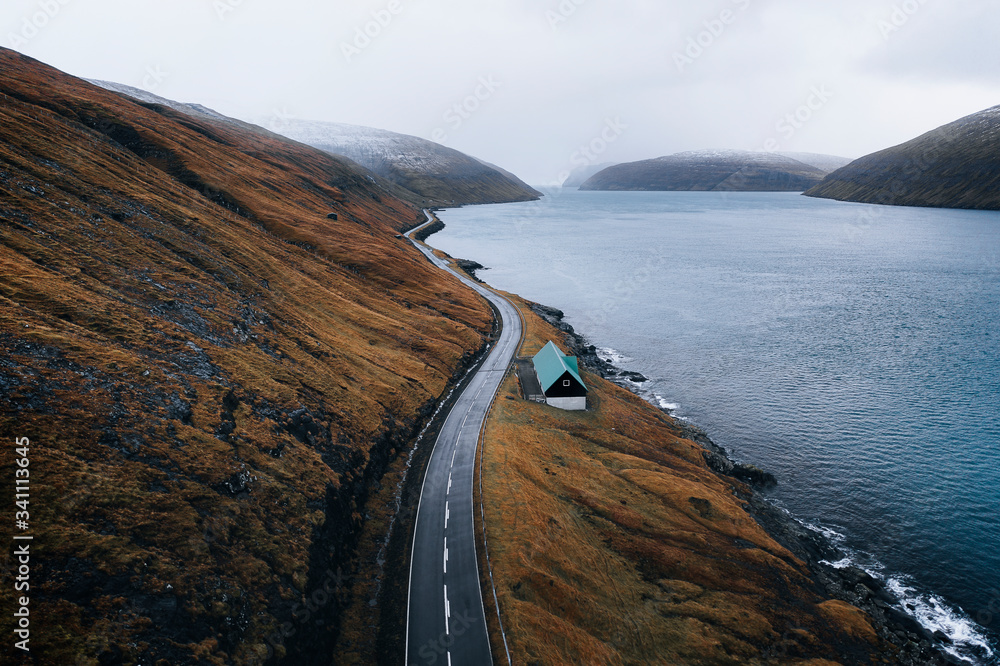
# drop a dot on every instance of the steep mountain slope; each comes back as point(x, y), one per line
point(206, 114)
point(954, 166)
point(443, 176)
point(709, 170)
point(214, 376)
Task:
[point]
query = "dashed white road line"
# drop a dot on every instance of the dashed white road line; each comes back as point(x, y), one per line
point(488, 374)
point(447, 610)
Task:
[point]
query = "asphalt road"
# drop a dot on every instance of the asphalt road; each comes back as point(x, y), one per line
point(446, 623)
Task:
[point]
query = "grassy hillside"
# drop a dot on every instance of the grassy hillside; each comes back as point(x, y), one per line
point(203, 113)
point(215, 377)
point(954, 166)
point(612, 542)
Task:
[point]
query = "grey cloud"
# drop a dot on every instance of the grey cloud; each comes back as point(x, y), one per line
point(566, 66)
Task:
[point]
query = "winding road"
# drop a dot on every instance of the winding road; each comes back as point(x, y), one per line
point(446, 623)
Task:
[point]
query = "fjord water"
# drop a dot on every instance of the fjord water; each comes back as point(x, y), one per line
point(852, 350)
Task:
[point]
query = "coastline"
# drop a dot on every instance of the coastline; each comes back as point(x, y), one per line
point(914, 644)
point(917, 645)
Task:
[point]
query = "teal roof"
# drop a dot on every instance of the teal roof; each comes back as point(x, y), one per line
point(551, 364)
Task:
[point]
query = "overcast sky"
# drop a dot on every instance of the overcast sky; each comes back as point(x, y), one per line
point(536, 80)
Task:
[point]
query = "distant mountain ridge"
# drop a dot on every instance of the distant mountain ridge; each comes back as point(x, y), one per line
point(709, 170)
point(147, 97)
point(429, 169)
point(954, 166)
point(579, 175)
point(203, 113)
point(424, 173)
point(827, 163)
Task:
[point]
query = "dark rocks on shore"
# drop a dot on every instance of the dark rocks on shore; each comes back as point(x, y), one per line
point(755, 476)
point(429, 231)
point(909, 642)
point(470, 267)
point(631, 376)
point(716, 457)
point(554, 316)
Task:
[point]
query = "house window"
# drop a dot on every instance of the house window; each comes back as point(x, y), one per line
point(565, 382)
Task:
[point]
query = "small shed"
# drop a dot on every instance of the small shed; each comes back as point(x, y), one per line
point(559, 376)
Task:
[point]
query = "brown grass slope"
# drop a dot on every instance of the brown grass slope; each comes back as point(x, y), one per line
point(613, 543)
point(954, 166)
point(213, 375)
point(485, 187)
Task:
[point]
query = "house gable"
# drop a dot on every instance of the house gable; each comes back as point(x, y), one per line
point(559, 375)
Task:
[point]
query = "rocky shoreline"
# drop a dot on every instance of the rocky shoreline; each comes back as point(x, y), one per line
point(910, 643)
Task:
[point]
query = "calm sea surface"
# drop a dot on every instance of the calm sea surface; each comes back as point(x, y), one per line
point(852, 350)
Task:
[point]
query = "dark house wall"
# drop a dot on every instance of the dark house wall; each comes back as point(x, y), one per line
point(574, 390)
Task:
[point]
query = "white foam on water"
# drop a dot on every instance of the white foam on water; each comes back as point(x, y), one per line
point(663, 403)
point(613, 355)
point(616, 358)
point(934, 614)
point(839, 564)
point(831, 534)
